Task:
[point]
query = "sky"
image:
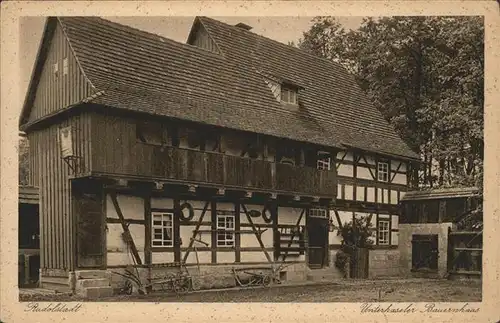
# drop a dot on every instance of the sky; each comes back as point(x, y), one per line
point(282, 29)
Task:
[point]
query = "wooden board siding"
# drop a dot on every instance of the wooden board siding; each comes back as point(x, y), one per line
point(116, 151)
point(55, 93)
point(50, 173)
point(202, 40)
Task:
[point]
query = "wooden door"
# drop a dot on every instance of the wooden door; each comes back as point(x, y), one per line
point(317, 233)
point(90, 228)
point(425, 252)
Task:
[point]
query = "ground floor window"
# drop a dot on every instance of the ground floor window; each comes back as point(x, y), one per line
point(383, 231)
point(424, 252)
point(225, 229)
point(163, 232)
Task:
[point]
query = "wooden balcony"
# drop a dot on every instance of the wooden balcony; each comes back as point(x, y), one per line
point(191, 166)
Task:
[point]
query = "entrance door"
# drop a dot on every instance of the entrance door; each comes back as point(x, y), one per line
point(317, 233)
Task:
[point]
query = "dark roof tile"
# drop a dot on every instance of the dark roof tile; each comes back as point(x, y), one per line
point(148, 73)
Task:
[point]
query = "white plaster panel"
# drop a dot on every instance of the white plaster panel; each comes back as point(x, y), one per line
point(253, 256)
point(334, 238)
point(345, 170)
point(349, 192)
point(385, 195)
point(122, 258)
point(384, 216)
point(394, 221)
point(250, 240)
point(225, 206)
point(394, 238)
point(186, 232)
point(394, 197)
point(339, 191)
point(399, 179)
point(395, 165)
point(162, 203)
point(370, 194)
point(114, 240)
point(369, 159)
point(259, 220)
point(132, 207)
point(289, 215)
point(379, 195)
point(364, 173)
point(401, 194)
point(360, 193)
point(204, 257)
point(203, 236)
point(162, 257)
point(224, 257)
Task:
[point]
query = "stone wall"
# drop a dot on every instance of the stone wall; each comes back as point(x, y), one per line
point(208, 277)
point(405, 246)
point(384, 263)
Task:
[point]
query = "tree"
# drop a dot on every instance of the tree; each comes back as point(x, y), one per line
point(425, 75)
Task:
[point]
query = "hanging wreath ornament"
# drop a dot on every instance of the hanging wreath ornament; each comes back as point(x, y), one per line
point(267, 214)
point(190, 216)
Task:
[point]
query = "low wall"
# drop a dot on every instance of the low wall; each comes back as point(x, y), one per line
point(384, 263)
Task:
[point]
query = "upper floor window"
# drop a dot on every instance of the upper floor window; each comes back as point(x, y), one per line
point(383, 171)
point(225, 229)
point(324, 160)
point(289, 94)
point(383, 232)
point(163, 232)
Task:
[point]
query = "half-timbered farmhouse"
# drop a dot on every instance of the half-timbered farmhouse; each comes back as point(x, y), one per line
point(230, 150)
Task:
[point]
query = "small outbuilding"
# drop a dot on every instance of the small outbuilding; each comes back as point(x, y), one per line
point(29, 236)
point(431, 243)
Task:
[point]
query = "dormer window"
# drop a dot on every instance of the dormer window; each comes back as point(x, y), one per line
point(289, 94)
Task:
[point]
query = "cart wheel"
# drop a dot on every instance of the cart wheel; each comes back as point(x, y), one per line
point(127, 289)
point(266, 281)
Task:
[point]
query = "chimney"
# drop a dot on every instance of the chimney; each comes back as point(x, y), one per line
point(243, 26)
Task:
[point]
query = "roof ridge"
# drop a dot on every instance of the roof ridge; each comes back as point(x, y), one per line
point(140, 32)
point(338, 65)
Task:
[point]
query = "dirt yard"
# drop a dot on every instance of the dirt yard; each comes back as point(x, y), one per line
point(349, 291)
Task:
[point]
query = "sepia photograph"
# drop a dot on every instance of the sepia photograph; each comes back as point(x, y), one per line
point(251, 159)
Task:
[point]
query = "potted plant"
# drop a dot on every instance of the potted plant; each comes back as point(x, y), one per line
point(355, 237)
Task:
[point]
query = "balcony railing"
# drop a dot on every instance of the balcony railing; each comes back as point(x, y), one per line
point(226, 170)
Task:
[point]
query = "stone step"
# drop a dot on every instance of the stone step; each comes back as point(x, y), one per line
point(56, 287)
point(96, 292)
point(92, 282)
point(92, 274)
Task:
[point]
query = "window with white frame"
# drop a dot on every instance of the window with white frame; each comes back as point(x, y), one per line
point(383, 171)
point(288, 94)
point(318, 213)
point(225, 229)
point(163, 229)
point(323, 161)
point(383, 232)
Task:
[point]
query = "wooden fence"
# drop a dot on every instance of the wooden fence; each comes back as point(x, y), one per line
point(465, 253)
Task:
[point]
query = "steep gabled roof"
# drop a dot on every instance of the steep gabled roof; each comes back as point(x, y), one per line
point(330, 93)
point(140, 71)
